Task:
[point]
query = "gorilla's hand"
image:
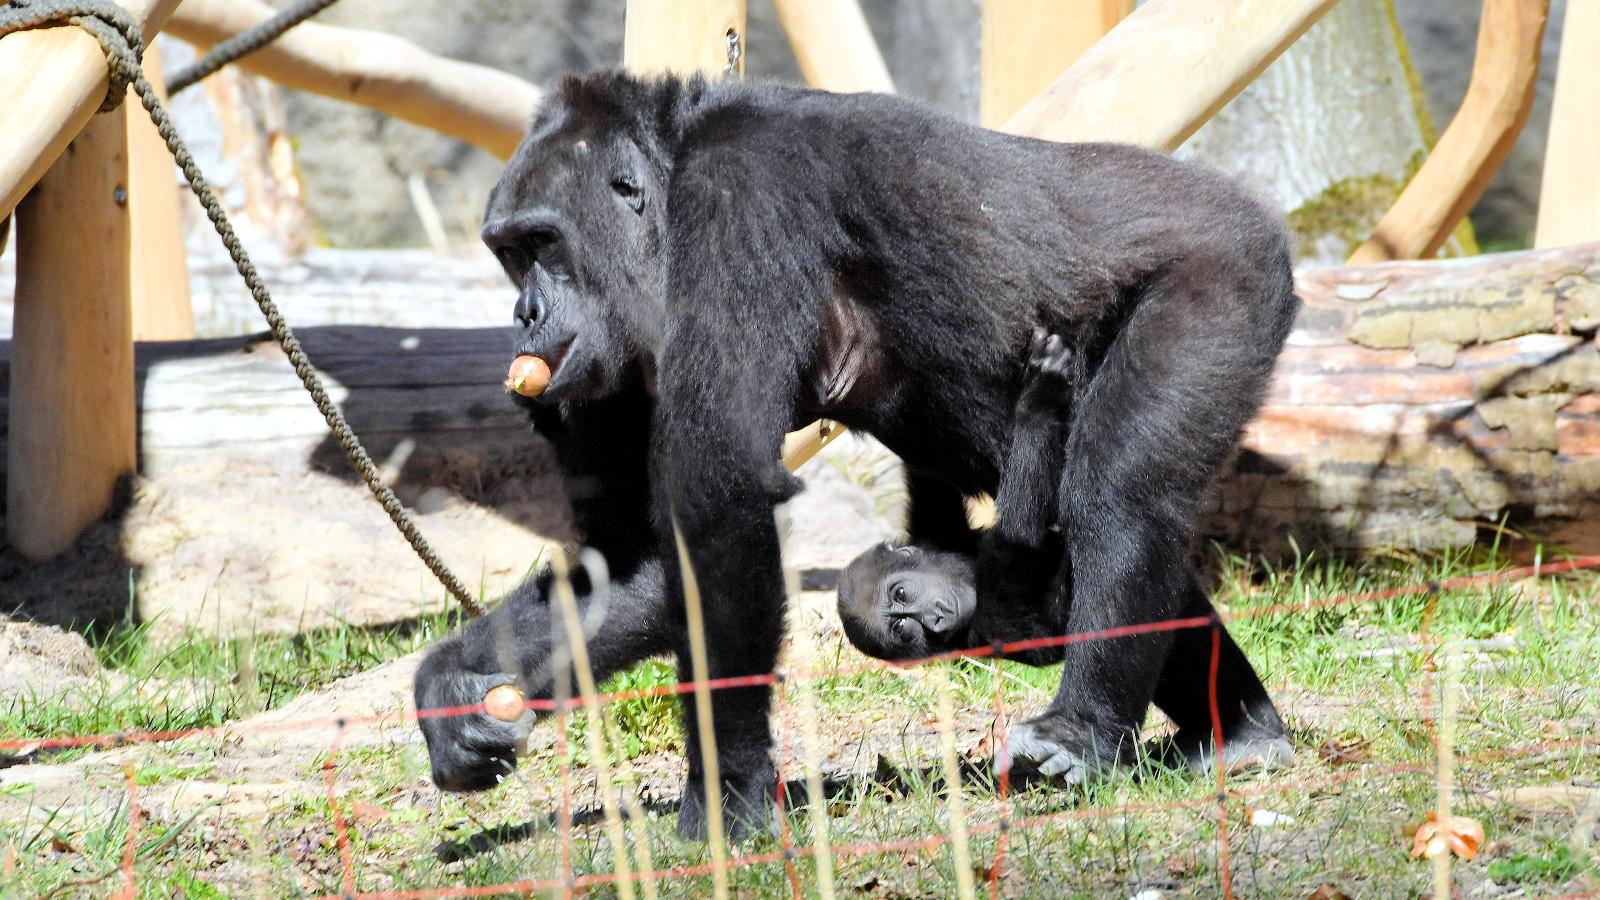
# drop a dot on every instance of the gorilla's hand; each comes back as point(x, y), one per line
point(469, 751)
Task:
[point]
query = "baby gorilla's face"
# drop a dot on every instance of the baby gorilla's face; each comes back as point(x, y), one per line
point(907, 602)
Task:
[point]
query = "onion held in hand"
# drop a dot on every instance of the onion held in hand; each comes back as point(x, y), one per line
point(505, 703)
point(529, 376)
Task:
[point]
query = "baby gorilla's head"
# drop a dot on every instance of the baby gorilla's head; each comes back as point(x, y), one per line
point(907, 602)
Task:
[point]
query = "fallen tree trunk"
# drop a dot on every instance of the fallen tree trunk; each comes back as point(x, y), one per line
point(1415, 401)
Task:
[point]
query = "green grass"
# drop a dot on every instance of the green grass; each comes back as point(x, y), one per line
point(1356, 679)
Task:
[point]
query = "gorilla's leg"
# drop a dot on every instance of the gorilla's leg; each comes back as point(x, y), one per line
point(523, 641)
point(1252, 732)
point(1178, 380)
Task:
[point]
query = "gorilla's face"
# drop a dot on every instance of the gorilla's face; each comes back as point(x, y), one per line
point(907, 602)
point(577, 221)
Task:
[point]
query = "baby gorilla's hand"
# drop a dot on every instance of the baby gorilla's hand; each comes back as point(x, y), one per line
point(1048, 380)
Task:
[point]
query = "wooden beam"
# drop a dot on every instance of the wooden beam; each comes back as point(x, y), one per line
point(482, 106)
point(71, 395)
point(834, 45)
point(162, 310)
point(683, 36)
point(1028, 43)
point(1166, 69)
point(55, 79)
point(1569, 201)
point(1478, 140)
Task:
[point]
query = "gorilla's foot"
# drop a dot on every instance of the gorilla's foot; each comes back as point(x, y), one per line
point(1062, 749)
point(1250, 746)
point(748, 807)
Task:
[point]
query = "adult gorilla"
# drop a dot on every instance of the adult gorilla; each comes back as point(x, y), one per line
point(707, 266)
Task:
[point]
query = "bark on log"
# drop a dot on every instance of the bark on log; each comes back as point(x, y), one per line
point(1415, 401)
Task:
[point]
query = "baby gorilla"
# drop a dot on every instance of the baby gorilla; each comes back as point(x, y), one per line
point(900, 603)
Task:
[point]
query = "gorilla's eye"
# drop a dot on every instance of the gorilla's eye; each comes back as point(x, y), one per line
point(898, 595)
point(630, 192)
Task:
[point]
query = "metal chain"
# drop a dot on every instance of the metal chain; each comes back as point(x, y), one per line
point(245, 43)
point(735, 52)
point(108, 22)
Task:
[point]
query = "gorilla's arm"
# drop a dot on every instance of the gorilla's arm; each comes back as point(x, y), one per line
point(602, 448)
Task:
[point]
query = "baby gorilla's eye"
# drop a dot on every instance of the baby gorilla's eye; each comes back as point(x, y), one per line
point(903, 629)
point(898, 595)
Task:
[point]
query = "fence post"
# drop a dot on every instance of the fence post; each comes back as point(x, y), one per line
point(683, 36)
point(162, 310)
point(1028, 43)
point(72, 397)
point(834, 45)
point(1569, 201)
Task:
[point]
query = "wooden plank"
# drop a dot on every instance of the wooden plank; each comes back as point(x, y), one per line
point(55, 79)
point(1166, 69)
point(71, 418)
point(1027, 44)
point(162, 310)
point(834, 45)
point(1478, 140)
point(1569, 201)
point(684, 36)
point(482, 106)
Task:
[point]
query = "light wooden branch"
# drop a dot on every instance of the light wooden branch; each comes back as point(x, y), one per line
point(54, 79)
point(1569, 201)
point(1028, 43)
point(1165, 70)
point(1478, 140)
point(834, 45)
point(482, 106)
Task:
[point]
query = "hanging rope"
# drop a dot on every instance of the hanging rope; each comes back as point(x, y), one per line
point(120, 37)
point(245, 43)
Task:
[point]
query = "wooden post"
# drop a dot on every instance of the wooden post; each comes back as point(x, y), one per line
point(1569, 201)
point(1028, 43)
point(161, 307)
point(684, 36)
point(1478, 140)
point(55, 79)
point(834, 45)
point(72, 399)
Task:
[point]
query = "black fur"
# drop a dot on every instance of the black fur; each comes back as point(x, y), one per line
point(746, 258)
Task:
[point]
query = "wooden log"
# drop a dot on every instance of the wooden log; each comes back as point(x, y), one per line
point(1028, 43)
point(55, 79)
point(71, 410)
point(685, 36)
point(1478, 140)
point(482, 106)
point(1418, 401)
point(1569, 200)
point(834, 45)
point(1166, 69)
point(162, 310)
point(1415, 401)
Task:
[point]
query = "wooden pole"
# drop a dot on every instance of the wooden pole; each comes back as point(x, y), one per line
point(161, 307)
point(54, 80)
point(72, 399)
point(684, 36)
point(1165, 70)
point(834, 45)
point(1478, 140)
point(1569, 201)
point(482, 106)
point(1028, 43)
